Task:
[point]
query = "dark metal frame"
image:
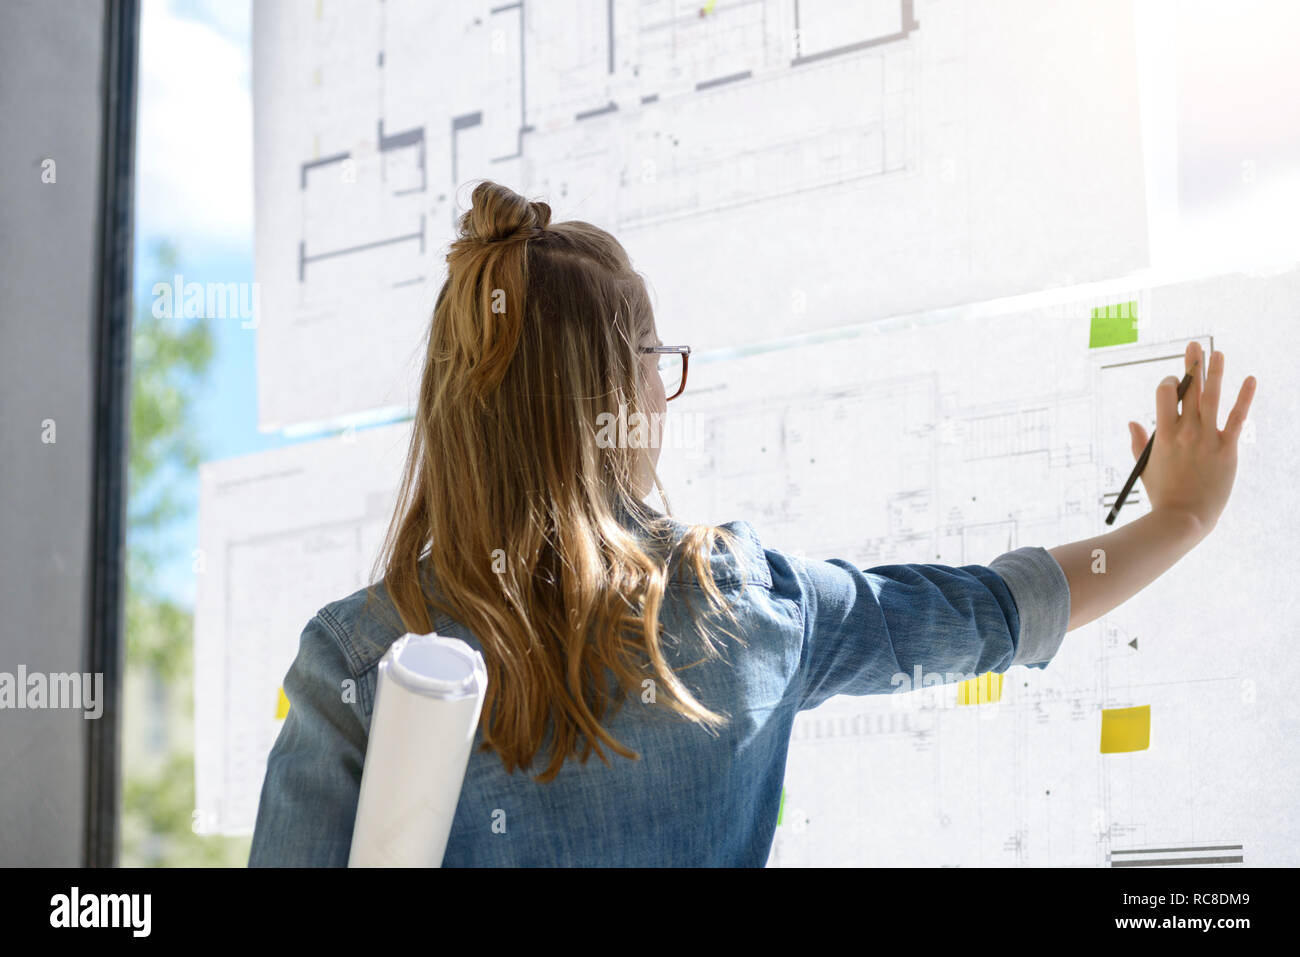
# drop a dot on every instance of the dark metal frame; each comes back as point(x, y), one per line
point(105, 644)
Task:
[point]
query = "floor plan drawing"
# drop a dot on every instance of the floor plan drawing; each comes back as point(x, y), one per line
point(706, 140)
point(936, 440)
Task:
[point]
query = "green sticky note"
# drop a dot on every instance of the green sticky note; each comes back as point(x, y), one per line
point(781, 810)
point(1114, 325)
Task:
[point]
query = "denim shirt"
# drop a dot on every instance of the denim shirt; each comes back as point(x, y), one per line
point(810, 629)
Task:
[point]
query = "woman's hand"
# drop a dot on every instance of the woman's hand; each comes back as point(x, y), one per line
point(1193, 462)
point(1187, 478)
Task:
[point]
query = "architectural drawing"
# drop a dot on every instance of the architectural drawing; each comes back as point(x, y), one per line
point(709, 142)
point(941, 440)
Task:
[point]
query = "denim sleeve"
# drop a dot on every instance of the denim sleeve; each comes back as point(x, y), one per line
point(878, 630)
point(1042, 594)
point(313, 775)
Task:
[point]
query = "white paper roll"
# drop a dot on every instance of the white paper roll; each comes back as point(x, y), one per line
point(427, 701)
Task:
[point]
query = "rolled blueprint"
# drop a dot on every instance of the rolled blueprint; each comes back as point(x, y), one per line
point(427, 702)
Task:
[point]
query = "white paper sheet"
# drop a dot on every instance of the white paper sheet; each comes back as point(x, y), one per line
point(771, 167)
point(281, 534)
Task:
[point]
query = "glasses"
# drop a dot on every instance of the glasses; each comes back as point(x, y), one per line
point(673, 361)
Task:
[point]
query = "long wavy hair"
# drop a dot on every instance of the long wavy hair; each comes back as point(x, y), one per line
point(517, 512)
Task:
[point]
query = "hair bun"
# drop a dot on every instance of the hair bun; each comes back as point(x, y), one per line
point(497, 213)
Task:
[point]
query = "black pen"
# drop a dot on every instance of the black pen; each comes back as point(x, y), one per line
point(1146, 453)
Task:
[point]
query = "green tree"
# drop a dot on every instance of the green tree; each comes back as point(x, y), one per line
point(170, 358)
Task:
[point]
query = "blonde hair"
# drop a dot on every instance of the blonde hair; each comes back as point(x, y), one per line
point(513, 503)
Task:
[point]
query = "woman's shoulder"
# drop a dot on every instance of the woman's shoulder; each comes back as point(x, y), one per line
point(736, 556)
point(363, 624)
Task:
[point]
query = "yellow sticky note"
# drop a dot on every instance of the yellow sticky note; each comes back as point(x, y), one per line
point(986, 689)
point(282, 706)
point(1125, 729)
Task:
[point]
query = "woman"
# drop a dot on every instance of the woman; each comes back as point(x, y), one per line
point(678, 655)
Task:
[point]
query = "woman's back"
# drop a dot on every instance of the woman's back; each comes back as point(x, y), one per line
point(802, 631)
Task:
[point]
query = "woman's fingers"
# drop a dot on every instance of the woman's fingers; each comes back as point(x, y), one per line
point(1213, 387)
point(1192, 361)
point(1237, 417)
point(1167, 406)
point(1137, 438)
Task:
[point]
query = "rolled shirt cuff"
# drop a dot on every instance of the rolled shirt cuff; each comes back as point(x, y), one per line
point(1042, 595)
